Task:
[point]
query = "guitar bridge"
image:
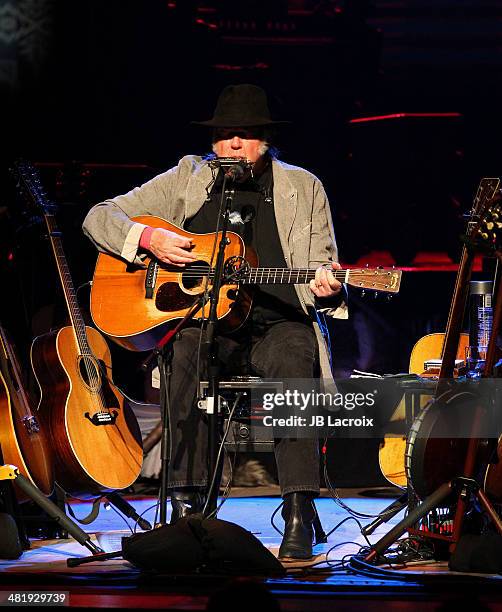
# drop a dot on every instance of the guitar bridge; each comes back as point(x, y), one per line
point(102, 418)
point(151, 279)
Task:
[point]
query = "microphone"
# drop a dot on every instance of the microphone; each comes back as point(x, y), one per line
point(234, 168)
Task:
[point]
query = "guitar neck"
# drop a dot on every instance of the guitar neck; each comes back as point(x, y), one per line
point(455, 318)
point(286, 276)
point(70, 295)
point(387, 280)
point(486, 191)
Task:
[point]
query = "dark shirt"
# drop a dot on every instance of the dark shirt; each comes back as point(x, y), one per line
point(253, 218)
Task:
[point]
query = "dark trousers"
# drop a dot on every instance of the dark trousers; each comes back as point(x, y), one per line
point(283, 350)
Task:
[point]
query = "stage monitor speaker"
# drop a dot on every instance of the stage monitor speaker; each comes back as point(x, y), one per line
point(10, 543)
point(197, 543)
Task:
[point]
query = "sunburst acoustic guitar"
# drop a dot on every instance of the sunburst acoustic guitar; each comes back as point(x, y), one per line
point(133, 303)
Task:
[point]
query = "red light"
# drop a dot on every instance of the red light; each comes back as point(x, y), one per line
point(211, 26)
point(10, 256)
point(401, 116)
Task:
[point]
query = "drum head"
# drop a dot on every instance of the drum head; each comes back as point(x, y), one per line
point(437, 443)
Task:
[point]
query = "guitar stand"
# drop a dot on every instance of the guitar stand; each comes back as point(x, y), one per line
point(10, 472)
point(125, 507)
point(465, 488)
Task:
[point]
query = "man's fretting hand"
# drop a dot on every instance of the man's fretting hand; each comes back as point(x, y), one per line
point(171, 248)
point(325, 284)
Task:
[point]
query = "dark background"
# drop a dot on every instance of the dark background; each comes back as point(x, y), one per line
point(87, 87)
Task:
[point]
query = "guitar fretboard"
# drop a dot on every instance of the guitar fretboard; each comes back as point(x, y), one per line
point(285, 276)
point(77, 320)
point(266, 276)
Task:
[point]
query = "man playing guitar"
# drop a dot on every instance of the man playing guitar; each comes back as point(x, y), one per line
point(283, 213)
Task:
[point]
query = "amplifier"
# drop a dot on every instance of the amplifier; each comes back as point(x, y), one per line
point(247, 432)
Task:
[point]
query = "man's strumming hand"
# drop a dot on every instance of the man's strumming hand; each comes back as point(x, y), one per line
point(171, 248)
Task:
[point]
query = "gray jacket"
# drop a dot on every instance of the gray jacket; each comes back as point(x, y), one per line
point(301, 209)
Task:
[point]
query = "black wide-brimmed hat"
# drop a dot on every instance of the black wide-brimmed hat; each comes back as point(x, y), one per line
point(241, 106)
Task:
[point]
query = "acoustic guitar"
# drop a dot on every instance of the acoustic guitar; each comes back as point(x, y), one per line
point(94, 433)
point(23, 438)
point(448, 347)
point(132, 304)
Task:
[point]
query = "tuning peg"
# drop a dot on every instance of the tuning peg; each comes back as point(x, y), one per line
point(363, 293)
point(375, 295)
point(389, 297)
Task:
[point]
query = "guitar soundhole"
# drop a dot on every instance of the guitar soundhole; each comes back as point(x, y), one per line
point(89, 372)
point(194, 276)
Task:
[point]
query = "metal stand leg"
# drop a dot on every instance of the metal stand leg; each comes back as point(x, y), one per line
point(465, 486)
point(125, 507)
point(10, 472)
point(421, 510)
point(164, 363)
point(399, 504)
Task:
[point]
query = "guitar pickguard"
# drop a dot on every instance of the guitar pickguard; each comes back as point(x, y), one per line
point(171, 298)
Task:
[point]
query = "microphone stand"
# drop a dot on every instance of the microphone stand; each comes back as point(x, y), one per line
point(213, 368)
point(164, 353)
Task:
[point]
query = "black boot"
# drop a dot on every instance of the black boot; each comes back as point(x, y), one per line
point(298, 513)
point(186, 502)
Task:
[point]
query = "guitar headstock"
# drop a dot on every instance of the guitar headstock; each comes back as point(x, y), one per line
point(385, 280)
point(486, 234)
point(30, 185)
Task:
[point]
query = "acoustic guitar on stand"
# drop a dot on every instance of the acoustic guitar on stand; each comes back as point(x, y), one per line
point(132, 303)
point(95, 436)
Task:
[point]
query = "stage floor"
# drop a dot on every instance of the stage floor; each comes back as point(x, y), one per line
point(117, 584)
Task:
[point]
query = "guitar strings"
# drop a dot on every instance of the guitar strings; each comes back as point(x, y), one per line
point(78, 324)
point(337, 273)
point(272, 275)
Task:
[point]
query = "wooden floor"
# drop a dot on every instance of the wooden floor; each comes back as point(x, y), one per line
point(117, 584)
